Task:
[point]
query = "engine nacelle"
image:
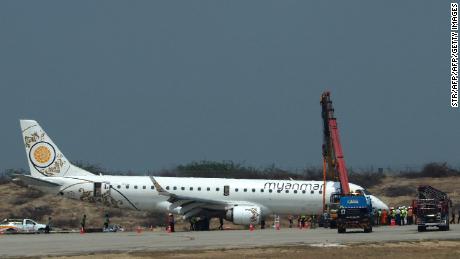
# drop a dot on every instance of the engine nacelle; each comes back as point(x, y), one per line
point(244, 215)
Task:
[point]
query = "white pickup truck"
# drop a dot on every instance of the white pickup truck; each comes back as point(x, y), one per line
point(21, 226)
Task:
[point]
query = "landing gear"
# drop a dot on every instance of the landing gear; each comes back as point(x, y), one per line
point(421, 228)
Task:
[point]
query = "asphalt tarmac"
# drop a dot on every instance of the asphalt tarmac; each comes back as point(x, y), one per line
point(82, 244)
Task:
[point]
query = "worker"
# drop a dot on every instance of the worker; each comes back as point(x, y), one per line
point(171, 222)
point(302, 221)
point(393, 215)
point(384, 217)
point(313, 221)
point(291, 221)
point(325, 218)
point(106, 221)
point(83, 223)
point(221, 223)
point(48, 226)
point(410, 216)
point(398, 216)
point(192, 221)
point(452, 221)
point(379, 216)
point(403, 215)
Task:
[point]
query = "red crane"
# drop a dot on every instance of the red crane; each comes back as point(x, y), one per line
point(332, 149)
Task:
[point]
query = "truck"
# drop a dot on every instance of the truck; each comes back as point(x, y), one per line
point(355, 211)
point(431, 208)
point(11, 226)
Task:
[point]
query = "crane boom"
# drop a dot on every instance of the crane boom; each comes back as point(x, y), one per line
point(332, 148)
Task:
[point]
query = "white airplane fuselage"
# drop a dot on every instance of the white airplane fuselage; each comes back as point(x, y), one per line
point(139, 192)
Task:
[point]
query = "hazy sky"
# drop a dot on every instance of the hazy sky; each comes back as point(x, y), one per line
point(152, 84)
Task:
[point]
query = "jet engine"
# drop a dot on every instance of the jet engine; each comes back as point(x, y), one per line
point(244, 215)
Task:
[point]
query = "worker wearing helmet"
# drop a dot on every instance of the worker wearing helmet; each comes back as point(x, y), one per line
point(403, 215)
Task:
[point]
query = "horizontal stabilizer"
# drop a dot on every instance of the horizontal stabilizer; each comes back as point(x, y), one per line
point(38, 182)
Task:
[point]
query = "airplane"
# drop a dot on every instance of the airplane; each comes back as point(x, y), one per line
point(241, 201)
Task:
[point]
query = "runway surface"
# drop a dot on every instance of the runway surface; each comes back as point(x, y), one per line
point(75, 244)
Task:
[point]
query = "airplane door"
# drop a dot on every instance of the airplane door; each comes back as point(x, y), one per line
point(226, 190)
point(101, 189)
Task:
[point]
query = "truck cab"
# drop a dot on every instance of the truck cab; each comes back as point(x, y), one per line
point(355, 211)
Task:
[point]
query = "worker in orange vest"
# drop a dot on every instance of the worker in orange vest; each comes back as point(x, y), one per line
point(384, 217)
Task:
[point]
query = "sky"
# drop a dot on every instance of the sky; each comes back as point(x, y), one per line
point(148, 85)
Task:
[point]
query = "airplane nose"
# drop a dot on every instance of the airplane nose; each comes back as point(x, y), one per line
point(378, 204)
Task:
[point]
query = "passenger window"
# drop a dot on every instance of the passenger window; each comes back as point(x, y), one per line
point(270, 190)
point(118, 186)
point(245, 190)
point(143, 187)
point(152, 187)
point(295, 191)
point(167, 187)
point(217, 189)
point(127, 186)
point(199, 188)
point(174, 188)
point(279, 191)
point(182, 188)
point(253, 190)
point(135, 186)
point(261, 190)
point(208, 189)
point(236, 189)
point(312, 192)
point(191, 188)
point(320, 192)
point(287, 191)
point(303, 191)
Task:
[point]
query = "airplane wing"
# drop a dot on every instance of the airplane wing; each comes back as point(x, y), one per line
point(190, 206)
point(27, 179)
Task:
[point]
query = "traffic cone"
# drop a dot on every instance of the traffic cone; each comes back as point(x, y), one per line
point(82, 231)
point(277, 227)
point(168, 229)
point(251, 227)
point(138, 230)
point(393, 223)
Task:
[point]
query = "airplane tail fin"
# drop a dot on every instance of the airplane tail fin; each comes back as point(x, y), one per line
point(44, 157)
